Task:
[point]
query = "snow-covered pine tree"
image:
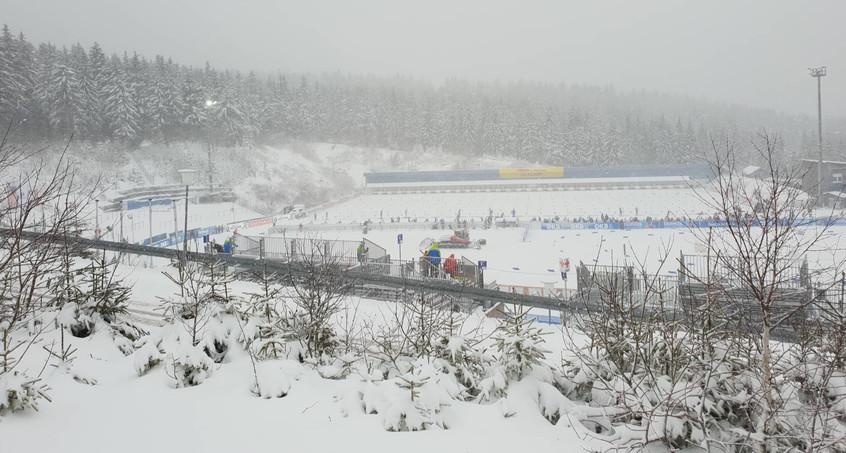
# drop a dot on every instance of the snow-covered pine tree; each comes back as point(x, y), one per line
point(64, 101)
point(95, 86)
point(518, 350)
point(120, 107)
point(105, 292)
point(193, 110)
point(17, 77)
point(519, 344)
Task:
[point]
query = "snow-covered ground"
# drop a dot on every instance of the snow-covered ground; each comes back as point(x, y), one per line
point(100, 404)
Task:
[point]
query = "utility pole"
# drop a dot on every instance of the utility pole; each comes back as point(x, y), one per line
point(175, 223)
point(211, 168)
point(121, 221)
point(819, 73)
point(185, 233)
point(120, 256)
point(150, 225)
point(97, 219)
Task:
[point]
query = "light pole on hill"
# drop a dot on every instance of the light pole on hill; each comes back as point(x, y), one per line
point(210, 107)
point(188, 178)
point(819, 73)
point(97, 219)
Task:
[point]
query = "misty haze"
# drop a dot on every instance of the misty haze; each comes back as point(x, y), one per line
point(446, 226)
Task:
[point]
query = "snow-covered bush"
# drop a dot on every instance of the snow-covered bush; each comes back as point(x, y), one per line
point(340, 367)
point(317, 295)
point(103, 292)
point(459, 355)
point(76, 321)
point(413, 401)
point(189, 366)
point(275, 377)
point(518, 351)
point(18, 392)
point(217, 338)
point(147, 357)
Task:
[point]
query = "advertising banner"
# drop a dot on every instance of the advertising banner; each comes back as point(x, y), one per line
point(260, 222)
point(531, 173)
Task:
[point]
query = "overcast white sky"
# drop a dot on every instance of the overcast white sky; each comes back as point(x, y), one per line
point(750, 52)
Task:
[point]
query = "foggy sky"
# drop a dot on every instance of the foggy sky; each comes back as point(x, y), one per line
point(751, 53)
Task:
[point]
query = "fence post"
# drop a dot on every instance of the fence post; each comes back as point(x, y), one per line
point(261, 248)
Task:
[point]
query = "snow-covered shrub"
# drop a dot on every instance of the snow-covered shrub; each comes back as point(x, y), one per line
point(317, 295)
point(103, 292)
point(413, 401)
point(340, 367)
point(313, 340)
point(421, 319)
point(269, 348)
point(125, 334)
point(518, 352)
point(189, 365)
point(75, 320)
point(275, 377)
point(18, 392)
point(216, 340)
point(147, 357)
point(462, 359)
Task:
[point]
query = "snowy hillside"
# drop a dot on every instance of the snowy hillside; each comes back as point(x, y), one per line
point(265, 178)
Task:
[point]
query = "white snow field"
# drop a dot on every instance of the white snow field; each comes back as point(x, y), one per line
point(571, 204)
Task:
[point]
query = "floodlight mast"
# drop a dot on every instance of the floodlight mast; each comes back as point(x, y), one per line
point(819, 73)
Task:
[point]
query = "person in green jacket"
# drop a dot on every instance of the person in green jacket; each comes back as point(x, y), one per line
point(361, 252)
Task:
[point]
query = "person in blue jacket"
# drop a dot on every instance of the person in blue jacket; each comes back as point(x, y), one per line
point(227, 246)
point(435, 257)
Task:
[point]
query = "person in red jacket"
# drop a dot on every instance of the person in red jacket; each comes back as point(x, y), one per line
point(450, 265)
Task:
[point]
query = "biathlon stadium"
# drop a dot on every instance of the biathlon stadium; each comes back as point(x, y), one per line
point(520, 227)
point(626, 192)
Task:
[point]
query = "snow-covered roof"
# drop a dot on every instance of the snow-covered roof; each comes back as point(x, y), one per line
point(539, 182)
point(750, 169)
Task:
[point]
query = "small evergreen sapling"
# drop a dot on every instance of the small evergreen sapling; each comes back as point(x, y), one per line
point(518, 350)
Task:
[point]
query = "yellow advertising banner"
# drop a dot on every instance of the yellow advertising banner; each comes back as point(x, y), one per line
point(531, 173)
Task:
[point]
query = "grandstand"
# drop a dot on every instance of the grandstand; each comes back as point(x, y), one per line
point(623, 192)
point(520, 179)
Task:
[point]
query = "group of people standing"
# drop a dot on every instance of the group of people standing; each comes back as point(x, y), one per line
point(431, 262)
point(213, 247)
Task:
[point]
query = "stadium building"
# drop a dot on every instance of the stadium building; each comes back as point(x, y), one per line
point(533, 179)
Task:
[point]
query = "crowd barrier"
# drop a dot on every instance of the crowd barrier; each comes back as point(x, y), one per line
point(176, 240)
point(661, 224)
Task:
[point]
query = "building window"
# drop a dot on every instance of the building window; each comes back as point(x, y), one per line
point(837, 177)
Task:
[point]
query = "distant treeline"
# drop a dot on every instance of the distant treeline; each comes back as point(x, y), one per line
point(51, 92)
